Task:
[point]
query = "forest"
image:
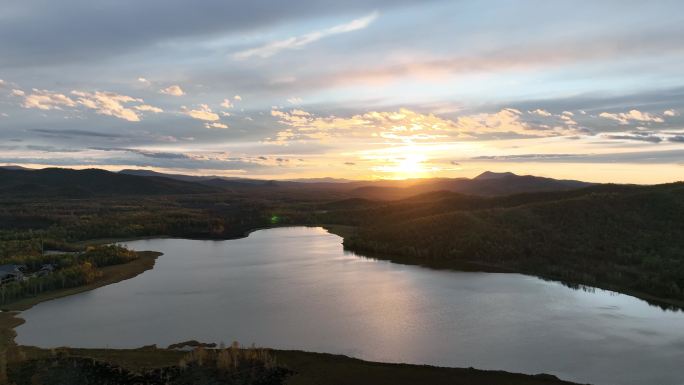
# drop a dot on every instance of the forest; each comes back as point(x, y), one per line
point(620, 237)
point(70, 270)
point(624, 238)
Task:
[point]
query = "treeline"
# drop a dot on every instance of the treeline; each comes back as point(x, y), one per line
point(71, 270)
point(27, 227)
point(624, 238)
point(226, 366)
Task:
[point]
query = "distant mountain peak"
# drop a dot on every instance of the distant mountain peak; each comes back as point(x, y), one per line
point(494, 175)
point(15, 167)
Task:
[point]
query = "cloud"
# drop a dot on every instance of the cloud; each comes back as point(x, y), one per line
point(146, 153)
point(110, 104)
point(174, 90)
point(237, 97)
point(74, 132)
point(144, 81)
point(47, 100)
point(507, 120)
point(671, 113)
point(53, 37)
point(227, 103)
point(633, 115)
point(406, 126)
point(102, 102)
point(637, 136)
point(203, 112)
point(676, 139)
point(540, 112)
point(148, 108)
point(274, 47)
point(403, 125)
point(642, 157)
point(215, 125)
point(567, 118)
point(295, 100)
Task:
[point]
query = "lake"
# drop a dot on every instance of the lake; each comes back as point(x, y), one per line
point(296, 288)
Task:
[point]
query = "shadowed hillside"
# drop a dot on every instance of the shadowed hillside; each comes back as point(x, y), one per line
point(625, 238)
point(59, 182)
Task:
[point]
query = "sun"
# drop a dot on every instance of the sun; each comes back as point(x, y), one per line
point(411, 166)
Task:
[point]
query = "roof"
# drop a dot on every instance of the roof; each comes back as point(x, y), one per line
point(6, 269)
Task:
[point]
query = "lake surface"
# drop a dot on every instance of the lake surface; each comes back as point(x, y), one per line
point(295, 288)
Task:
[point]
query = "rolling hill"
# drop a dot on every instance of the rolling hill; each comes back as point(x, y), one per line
point(625, 238)
point(60, 182)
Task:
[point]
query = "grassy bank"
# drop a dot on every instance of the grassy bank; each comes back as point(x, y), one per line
point(317, 368)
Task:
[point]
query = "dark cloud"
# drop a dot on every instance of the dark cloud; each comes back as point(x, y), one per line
point(46, 32)
point(676, 139)
point(50, 149)
point(146, 153)
point(641, 137)
point(644, 157)
point(74, 132)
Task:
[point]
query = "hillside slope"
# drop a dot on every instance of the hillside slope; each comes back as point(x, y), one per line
point(59, 182)
point(620, 237)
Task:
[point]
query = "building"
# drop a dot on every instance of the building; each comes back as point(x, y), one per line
point(11, 273)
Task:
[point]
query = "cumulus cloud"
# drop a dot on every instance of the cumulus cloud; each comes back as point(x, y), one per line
point(109, 103)
point(405, 126)
point(46, 100)
point(671, 113)
point(148, 108)
point(102, 102)
point(540, 112)
point(237, 97)
point(144, 81)
point(227, 103)
point(507, 120)
point(202, 112)
point(567, 118)
point(174, 90)
point(633, 115)
point(215, 125)
point(274, 47)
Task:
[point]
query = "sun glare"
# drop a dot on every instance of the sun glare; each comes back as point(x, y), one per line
point(409, 166)
point(412, 166)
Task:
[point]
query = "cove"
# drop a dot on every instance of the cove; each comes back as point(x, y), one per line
point(296, 288)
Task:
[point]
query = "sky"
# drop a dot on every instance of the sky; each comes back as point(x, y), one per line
point(372, 89)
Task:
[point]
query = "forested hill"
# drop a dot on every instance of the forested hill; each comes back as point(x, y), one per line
point(60, 182)
point(626, 238)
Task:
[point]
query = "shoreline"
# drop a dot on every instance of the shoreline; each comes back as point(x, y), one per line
point(10, 314)
point(345, 231)
point(309, 366)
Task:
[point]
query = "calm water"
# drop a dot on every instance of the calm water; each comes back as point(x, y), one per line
point(295, 288)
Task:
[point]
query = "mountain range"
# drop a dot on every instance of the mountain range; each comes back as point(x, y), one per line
point(60, 182)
